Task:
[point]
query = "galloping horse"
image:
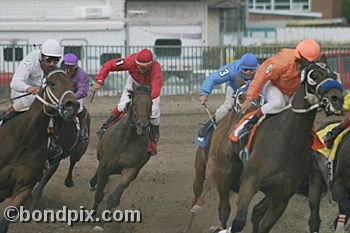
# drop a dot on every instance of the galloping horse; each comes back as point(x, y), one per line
point(123, 148)
point(339, 187)
point(69, 138)
point(24, 139)
point(219, 164)
point(279, 156)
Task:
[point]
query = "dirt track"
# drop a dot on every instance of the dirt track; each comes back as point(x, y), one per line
point(163, 189)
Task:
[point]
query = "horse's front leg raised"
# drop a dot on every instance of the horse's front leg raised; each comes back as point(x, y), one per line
point(38, 191)
point(68, 182)
point(127, 176)
point(16, 201)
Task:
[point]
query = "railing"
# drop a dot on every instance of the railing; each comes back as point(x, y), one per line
point(184, 68)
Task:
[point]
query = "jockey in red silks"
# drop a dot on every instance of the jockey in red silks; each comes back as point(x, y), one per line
point(143, 70)
point(280, 76)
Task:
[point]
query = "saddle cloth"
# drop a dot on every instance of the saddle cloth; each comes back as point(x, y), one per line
point(330, 153)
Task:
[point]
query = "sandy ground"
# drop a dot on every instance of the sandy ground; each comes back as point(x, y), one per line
point(163, 189)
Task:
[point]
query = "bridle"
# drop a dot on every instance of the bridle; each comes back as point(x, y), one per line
point(49, 100)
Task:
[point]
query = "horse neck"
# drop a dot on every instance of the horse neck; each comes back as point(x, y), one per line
point(36, 120)
point(299, 102)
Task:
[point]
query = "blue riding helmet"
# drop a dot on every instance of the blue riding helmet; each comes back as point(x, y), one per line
point(249, 62)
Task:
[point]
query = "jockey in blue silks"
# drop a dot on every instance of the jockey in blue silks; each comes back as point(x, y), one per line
point(236, 74)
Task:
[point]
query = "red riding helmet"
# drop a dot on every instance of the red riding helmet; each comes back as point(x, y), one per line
point(144, 58)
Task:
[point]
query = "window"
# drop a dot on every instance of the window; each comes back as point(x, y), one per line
point(77, 50)
point(168, 47)
point(8, 54)
point(109, 56)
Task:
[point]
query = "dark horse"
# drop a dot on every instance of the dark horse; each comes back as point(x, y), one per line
point(279, 156)
point(339, 185)
point(74, 143)
point(219, 164)
point(123, 148)
point(24, 139)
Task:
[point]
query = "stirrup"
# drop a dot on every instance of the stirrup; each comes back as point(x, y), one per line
point(100, 132)
point(244, 154)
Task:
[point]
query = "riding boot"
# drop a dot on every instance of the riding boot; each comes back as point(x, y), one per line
point(55, 151)
point(84, 134)
point(155, 133)
point(105, 125)
point(204, 128)
point(332, 135)
point(247, 129)
point(7, 115)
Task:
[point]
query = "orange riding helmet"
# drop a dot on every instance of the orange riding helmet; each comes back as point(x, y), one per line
point(309, 49)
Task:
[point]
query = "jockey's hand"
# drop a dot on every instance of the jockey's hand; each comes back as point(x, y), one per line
point(246, 106)
point(96, 86)
point(33, 90)
point(203, 99)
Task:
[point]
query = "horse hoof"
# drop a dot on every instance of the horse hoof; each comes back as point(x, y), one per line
point(214, 229)
point(237, 226)
point(92, 188)
point(69, 183)
point(196, 209)
point(98, 228)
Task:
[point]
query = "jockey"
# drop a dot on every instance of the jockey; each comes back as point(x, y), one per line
point(333, 133)
point(280, 77)
point(29, 76)
point(81, 83)
point(236, 73)
point(143, 70)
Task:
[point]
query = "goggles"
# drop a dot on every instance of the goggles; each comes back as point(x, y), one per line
point(48, 59)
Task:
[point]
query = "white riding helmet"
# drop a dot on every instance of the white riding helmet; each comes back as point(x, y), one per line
point(51, 48)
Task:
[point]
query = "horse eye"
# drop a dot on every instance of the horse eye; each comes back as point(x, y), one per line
point(51, 84)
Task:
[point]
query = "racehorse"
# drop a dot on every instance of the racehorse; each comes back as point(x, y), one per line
point(24, 140)
point(279, 156)
point(123, 148)
point(219, 164)
point(339, 185)
point(74, 144)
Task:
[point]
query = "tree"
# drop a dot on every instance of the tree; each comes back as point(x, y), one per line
point(346, 10)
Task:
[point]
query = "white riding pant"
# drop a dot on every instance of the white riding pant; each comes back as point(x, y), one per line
point(227, 106)
point(23, 103)
point(276, 100)
point(125, 99)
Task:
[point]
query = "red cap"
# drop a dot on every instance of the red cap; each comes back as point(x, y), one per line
point(144, 58)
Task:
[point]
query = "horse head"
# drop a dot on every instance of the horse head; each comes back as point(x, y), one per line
point(321, 89)
point(58, 96)
point(141, 108)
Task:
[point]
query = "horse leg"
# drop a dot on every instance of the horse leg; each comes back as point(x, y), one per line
point(127, 176)
point(200, 165)
point(340, 195)
point(223, 186)
point(93, 182)
point(258, 213)
point(102, 178)
point(274, 211)
point(38, 191)
point(315, 191)
point(16, 201)
point(246, 193)
point(68, 182)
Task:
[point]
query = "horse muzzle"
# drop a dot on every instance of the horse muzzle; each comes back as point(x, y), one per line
point(333, 105)
point(69, 110)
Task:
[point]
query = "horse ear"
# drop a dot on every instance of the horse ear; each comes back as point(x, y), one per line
point(323, 59)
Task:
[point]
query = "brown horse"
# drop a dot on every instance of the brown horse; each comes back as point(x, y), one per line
point(24, 139)
point(339, 185)
point(219, 164)
point(74, 142)
point(123, 148)
point(279, 157)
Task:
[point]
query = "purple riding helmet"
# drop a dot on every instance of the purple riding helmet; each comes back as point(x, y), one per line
point(70, 59)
